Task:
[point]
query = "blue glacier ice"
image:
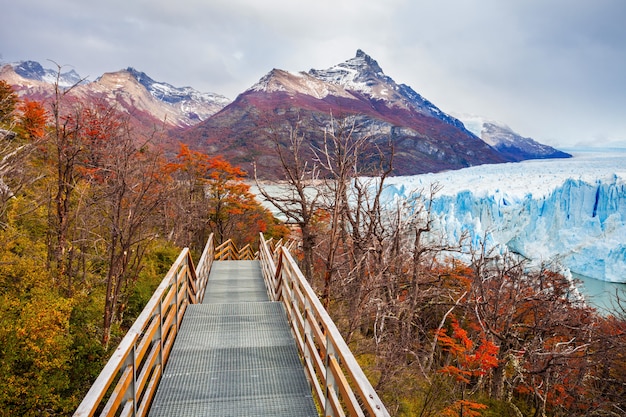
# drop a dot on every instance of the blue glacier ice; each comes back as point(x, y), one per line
point(572, 212)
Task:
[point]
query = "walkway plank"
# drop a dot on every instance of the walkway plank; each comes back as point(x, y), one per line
point(234, 354)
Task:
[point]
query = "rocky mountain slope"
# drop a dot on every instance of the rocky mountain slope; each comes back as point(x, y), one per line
point(394, 117)
point(150, 102)
point(509, 143)
point(424, 139)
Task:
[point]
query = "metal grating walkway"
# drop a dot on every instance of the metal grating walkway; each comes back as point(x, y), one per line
point(234, 355)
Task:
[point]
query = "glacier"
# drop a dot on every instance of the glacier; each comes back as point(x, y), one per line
point(571, 212)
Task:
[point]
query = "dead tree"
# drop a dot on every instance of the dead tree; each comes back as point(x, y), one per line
point(298, 197)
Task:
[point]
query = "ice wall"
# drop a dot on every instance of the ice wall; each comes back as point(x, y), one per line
point(581, 225)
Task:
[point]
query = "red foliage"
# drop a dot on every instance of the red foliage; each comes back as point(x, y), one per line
point(470, 360)
point(464, 408)
point(33, 119)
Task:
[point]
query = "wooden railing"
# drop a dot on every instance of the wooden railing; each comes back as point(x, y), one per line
point(339, 384)
point(129, 380)
point(228, 251)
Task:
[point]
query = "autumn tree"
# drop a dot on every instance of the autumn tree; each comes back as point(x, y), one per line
point(32, 120)
point(467, 363)
point(27, 120)
point(214, 198)
point(190, 169)
point(8, 105)
point(125, 184)
point(227, 196)
point(539, 325)
point(108, 183)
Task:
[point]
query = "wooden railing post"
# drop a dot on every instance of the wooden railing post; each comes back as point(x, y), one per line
point(159, 334)
point(331, 383)
point(278, 280)
point(131, 394)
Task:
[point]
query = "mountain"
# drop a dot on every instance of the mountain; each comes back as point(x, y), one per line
point(34, 71)
point(509, 143)
point(424, 138)
point(151, 103)
point(196, 105)
point(363, 75)
point(245, 131)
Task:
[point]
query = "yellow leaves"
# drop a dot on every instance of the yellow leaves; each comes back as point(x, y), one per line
point(40, 318)
point(43, 328)
point(34, 319)
point(34, 330)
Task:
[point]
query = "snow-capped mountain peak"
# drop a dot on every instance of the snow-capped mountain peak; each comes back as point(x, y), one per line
point(358, 74)
point(174, 95)
point(297, 83)
point(506, 141)
point(130, 89)
point(33, 70)
point(363, 76)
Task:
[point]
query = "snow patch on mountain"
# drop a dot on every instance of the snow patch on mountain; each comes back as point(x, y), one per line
point(132, 89)
point(297, 83)
point(34, 71)
point(571, 211)
point(511, 144)
point(173, 95)
point(362, 75)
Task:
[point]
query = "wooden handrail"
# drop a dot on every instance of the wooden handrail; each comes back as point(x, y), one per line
point(339, 384)
point(136, 366)
point(204, 268)
point(228, 251)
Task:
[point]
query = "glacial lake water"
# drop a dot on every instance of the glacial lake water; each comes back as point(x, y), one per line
point(601, 294)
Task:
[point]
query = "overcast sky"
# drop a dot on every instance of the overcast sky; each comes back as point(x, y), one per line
point(554, 70)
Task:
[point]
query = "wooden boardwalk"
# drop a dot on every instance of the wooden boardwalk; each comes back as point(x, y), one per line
point(234, 354)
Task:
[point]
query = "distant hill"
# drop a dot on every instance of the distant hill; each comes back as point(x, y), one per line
point(509, 143)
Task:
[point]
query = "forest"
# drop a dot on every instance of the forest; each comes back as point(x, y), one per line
point(92, 214)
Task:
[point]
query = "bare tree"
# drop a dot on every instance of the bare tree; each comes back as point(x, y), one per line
point(65, 140)
point(357, 168)
point(298, 197)
point(127, 183)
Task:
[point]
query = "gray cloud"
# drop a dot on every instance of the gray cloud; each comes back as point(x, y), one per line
point(551, 69)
